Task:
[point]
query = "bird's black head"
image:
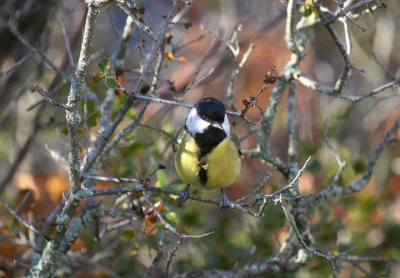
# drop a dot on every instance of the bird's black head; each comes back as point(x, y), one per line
point(211, 110)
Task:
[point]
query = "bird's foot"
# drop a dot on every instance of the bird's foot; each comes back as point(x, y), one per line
point(183, 196)
point(224, 203)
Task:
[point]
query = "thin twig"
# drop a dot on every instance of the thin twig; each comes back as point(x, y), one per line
point(20, 219)
point(48, 94)
point(292, 145)
point(26, 196)
point(309, 83)
point(45, 96)
point(169, 226)
point(157, 259)
point(23, 151)
point(171, 255)
point(328, 256)
point(14, 30)
point(67, 44)
point(235, 73)
point(170, 135)
point(335, 192)
point(139, 24)
point(199, 68)
point(199, 38)
point(391, 74)
point(15, 65)
point(103, 138)
point(256, 188)
point(172, 102)
point(363, 270)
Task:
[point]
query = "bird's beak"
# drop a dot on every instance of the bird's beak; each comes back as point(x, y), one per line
point(217, 125)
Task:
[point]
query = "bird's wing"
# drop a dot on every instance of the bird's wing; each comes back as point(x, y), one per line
point(235, 140)
point(178, 136)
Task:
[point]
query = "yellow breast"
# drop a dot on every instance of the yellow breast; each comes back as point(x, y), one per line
point(222, 164)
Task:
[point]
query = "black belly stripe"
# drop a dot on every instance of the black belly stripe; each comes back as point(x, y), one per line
point(203, 175)
point(207, 141)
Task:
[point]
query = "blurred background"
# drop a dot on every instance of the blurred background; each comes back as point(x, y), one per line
point(368, 220)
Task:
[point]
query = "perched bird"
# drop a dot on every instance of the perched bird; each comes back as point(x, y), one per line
point(207, 152)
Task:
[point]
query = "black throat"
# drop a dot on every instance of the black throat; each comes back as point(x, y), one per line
point(209, 139)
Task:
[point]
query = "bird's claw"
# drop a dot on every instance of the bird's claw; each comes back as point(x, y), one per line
point(184, 195)
point(224, 203)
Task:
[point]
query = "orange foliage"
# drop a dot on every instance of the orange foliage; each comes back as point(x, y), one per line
point(151, 219)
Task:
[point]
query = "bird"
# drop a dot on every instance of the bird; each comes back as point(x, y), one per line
point(207, 151)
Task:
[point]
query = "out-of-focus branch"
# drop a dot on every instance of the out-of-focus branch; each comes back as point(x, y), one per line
point(338, 191)
point(348, 9)
point(23, 152)
point(67, 44)
point(15, 65)
point(19, 218)
point(348, 64)
point(292, 144)
point(321, 88)
point(13, 28)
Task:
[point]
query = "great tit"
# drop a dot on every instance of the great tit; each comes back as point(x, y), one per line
point(207, 152)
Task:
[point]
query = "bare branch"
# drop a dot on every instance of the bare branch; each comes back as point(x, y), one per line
point(19, 218)
point(331, 91)
point(67, 44)
point(139, 24)
point(16, 65)
point(48, 94)
point(44, 266)
point(13, 29)
point(23, 151)
point(333, 191)
point(106, 135)
point(235, 73)
point(167, 225)
point(49, 99)
point(171, 255)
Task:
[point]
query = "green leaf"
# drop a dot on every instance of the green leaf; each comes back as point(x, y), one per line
point(370, 11)
point(127, 235)
point(168, 127)
point(308, 11)
point(92, 120)
point(172, 217)
point(65, 131)
point(132, 113)
point(111, 83)
point(162, 179)
point(104, 64)
point(91, 106)
point(314, 166)
point(130, 136)
point(132, 150)
point(359, 166)
point(119, 102)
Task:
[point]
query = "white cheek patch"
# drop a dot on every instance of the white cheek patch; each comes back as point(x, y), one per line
point(225, 125)
point(194, 123)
